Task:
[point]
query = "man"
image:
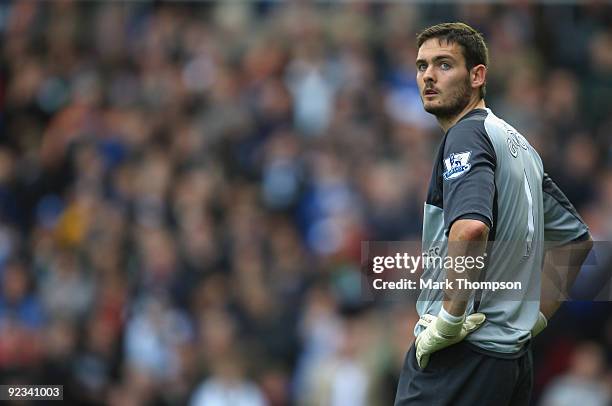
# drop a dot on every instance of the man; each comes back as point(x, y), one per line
point(487, 185)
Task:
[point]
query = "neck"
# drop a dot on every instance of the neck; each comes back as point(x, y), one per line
point(447, 123)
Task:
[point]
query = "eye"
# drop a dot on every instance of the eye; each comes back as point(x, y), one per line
point(445, 66)
point(422, 67)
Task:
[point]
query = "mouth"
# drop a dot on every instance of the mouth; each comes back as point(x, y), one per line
point(430, 92)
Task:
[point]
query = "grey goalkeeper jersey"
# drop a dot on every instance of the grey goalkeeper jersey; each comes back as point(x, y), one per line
point(486, 170)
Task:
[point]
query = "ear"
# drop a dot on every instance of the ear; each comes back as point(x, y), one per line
point(478, 76)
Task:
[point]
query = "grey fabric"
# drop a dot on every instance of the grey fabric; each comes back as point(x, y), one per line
point(506, 188)
point(562, 223)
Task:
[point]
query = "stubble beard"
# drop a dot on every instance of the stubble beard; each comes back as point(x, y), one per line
point(457, 102)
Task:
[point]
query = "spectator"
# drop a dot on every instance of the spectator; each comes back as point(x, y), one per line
point(583, 383)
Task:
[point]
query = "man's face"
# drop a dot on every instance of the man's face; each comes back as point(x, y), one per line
point(442, 78)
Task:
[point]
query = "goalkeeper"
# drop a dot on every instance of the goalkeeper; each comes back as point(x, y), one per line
point(488, 186)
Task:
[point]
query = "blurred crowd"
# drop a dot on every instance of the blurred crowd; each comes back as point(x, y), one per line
point(184, 188)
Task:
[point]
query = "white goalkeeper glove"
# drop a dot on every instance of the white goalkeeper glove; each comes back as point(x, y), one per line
point(440, 333)
point(540, 325)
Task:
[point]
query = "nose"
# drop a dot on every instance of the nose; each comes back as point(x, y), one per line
point(428, 75)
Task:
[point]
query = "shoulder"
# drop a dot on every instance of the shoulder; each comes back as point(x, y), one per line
point(469, 133)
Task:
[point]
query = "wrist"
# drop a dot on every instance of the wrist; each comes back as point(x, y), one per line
point(451, 318)
point(449, 325)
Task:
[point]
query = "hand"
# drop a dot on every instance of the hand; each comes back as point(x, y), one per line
point(439, 334)
point(540, 325)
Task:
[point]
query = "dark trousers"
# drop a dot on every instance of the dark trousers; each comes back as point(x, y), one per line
point(463, 374)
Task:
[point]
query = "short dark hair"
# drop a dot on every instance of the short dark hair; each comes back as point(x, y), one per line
point(472, 43)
